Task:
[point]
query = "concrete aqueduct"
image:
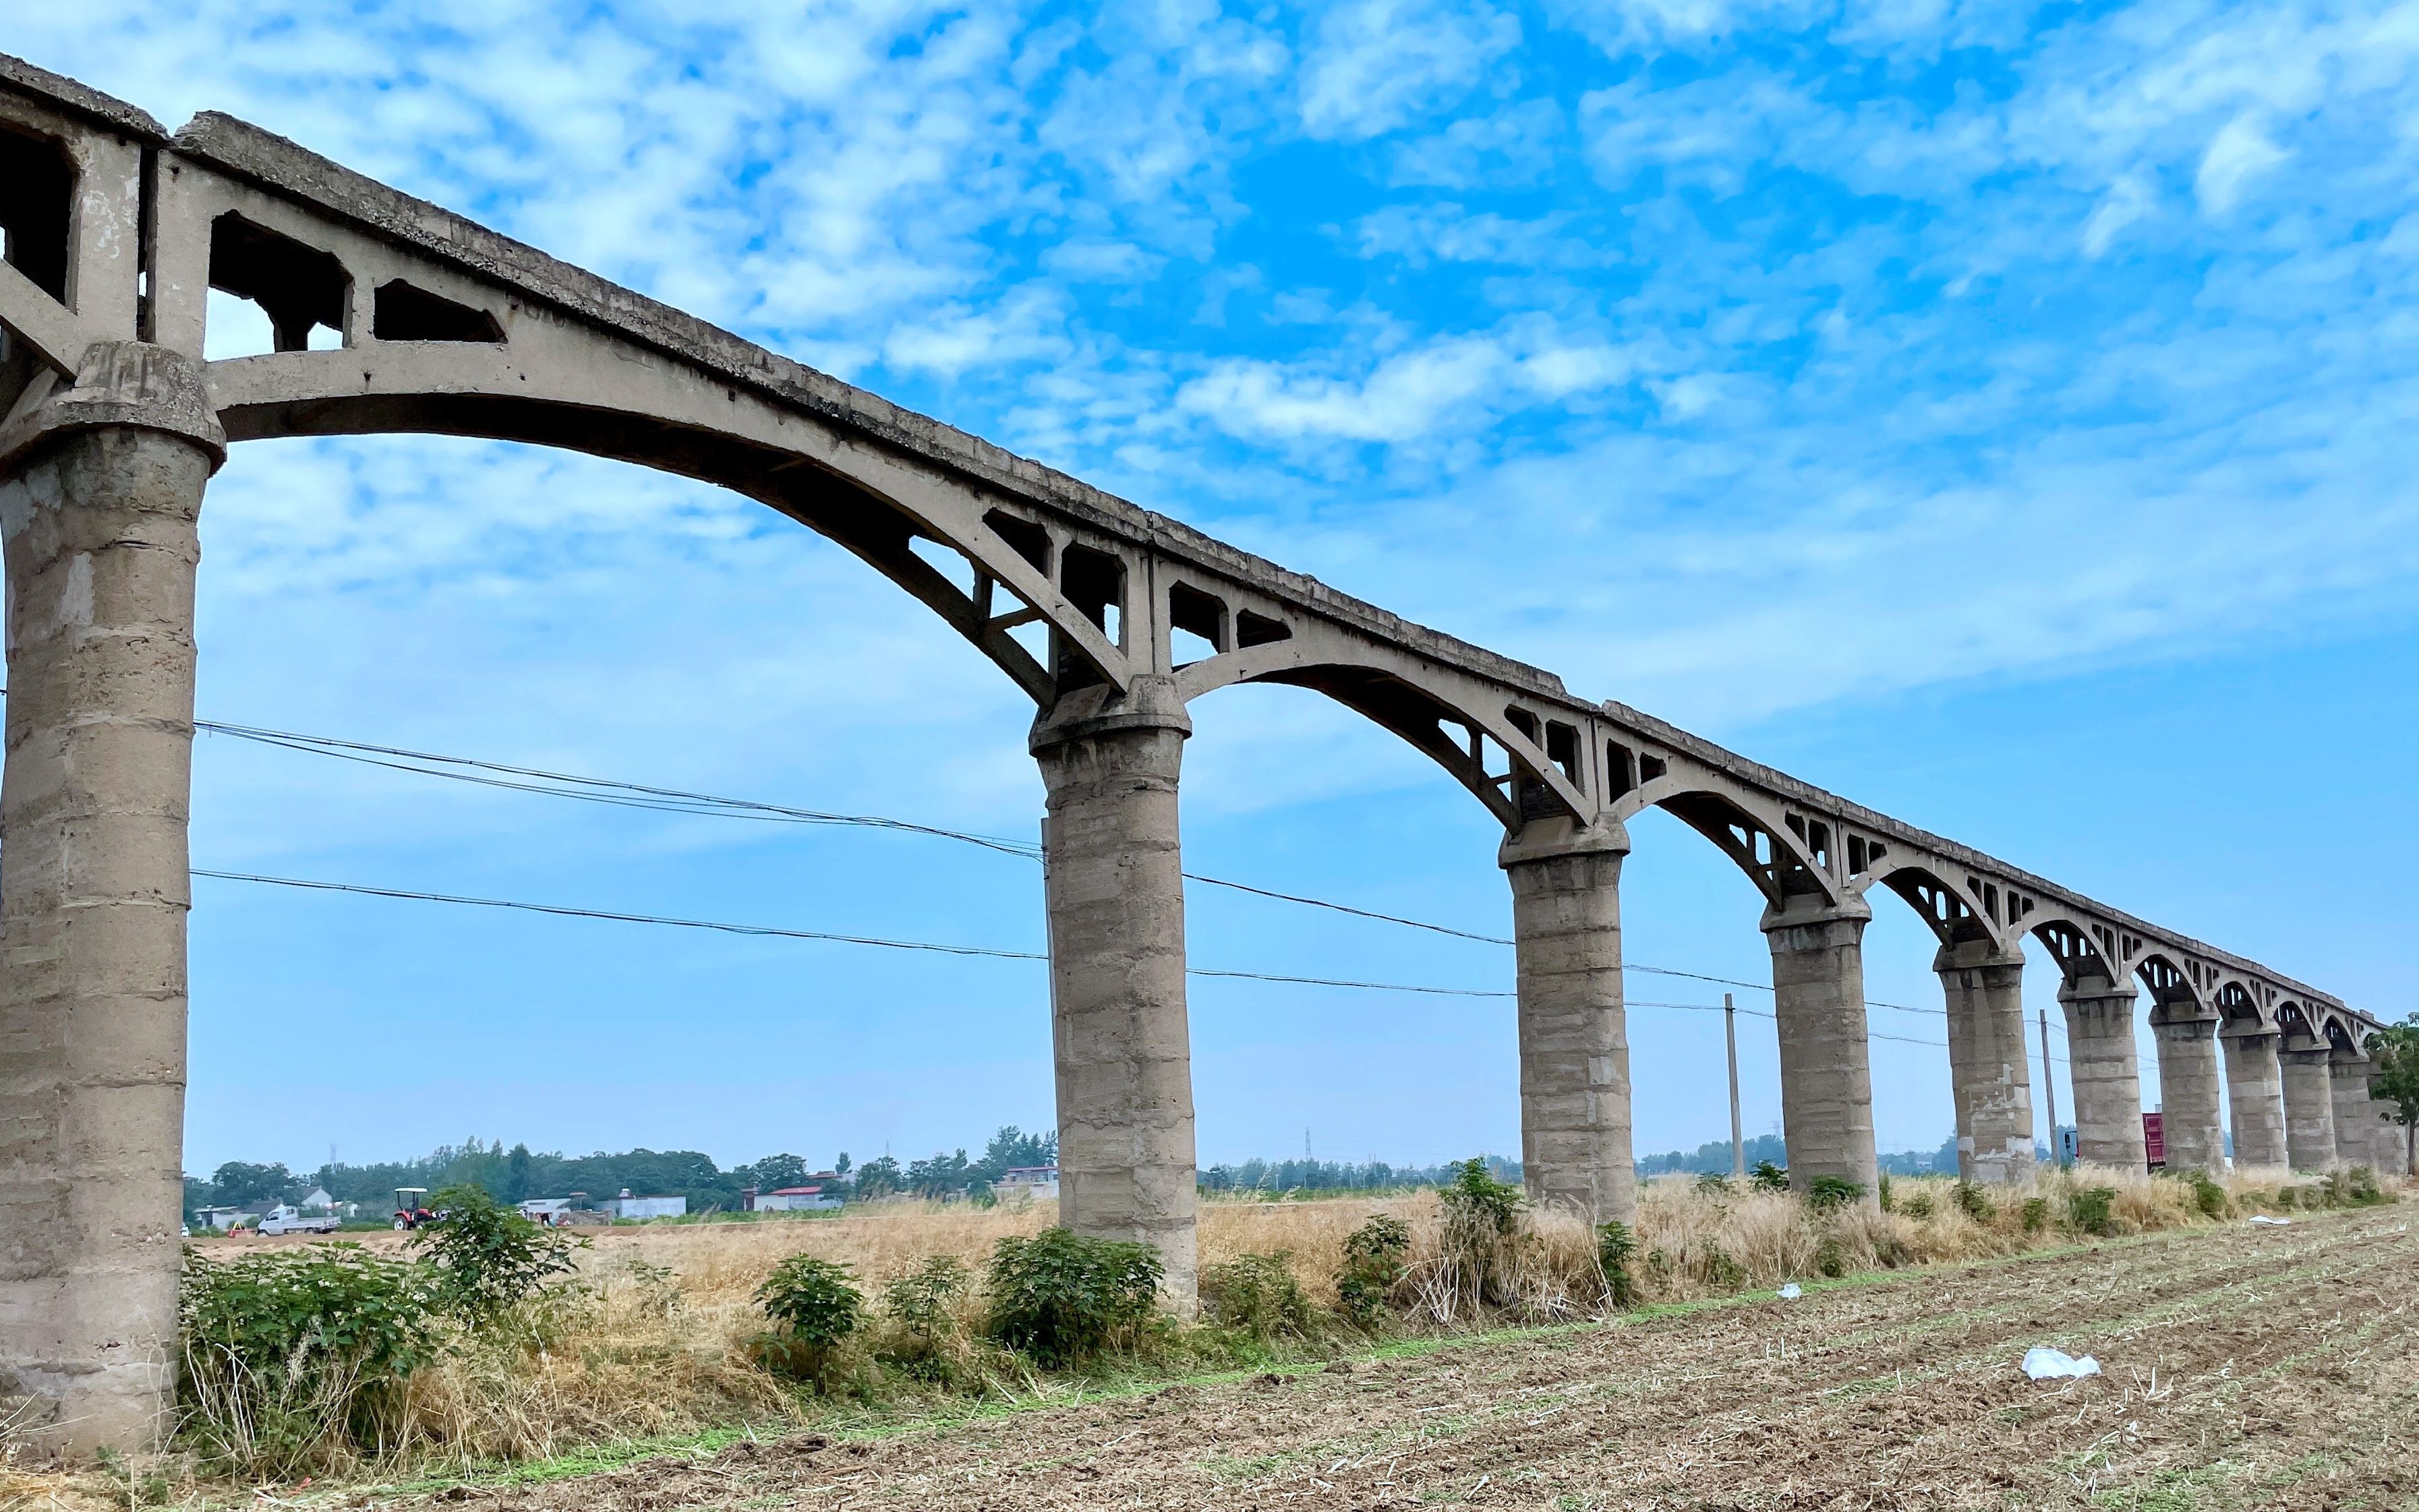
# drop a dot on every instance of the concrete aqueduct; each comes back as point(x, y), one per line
point(116, 230)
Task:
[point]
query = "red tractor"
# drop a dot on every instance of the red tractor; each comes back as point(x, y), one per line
point(412, 1207)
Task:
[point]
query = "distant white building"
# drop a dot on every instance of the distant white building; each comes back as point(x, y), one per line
point(319, 1197)
point(1035, 1181)
point(796, 1199)
point(545, 1210)
point(627, 1206)
point(222, 1218)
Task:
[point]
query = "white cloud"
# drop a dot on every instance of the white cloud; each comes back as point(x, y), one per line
point(2238, 153)
point(1372, 66)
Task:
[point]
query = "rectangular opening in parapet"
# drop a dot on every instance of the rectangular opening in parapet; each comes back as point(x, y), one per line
point(295, 291)
point(1024, 537)
point(1260, 630)
point(406, 312)
point(1620, 768)
point(1095, 583)
point(1196, 625)
point(1649, 768)
point(1562, 749)
point(37, 208)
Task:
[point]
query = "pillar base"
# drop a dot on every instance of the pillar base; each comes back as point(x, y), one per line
point(2191, 1123)
point(2103, 1069)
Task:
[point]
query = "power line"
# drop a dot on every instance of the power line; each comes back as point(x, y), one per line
point(568, 911)
point(618, 794)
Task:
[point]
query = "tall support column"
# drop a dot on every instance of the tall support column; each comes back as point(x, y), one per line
point(2356, 1118)
point(100, 495)
point(1575, 1147)
point(2255, 1095)
point(1989, 1072)
point(2191, 1119)
point(2101, 1066)
point(2309, 1105)
point(1827, 1079)
point(1115, 884)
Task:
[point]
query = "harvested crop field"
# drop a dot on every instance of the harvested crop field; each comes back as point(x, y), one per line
point(2268, 1366)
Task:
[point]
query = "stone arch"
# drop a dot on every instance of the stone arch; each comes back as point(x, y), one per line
point(1952, 912)
point(1523, 762)
point(2173, 994)
point(2084, 950)
point(1787, 856)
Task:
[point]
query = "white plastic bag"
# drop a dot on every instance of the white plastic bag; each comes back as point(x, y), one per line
point(2045, 1364)
point(1791, 1292)
point(2263, 1218)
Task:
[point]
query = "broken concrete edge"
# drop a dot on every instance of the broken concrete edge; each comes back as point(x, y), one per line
point(243, 150)
point(24, 78)
point(1755, 774)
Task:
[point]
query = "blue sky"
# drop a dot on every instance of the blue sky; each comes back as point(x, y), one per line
point(1998, 414)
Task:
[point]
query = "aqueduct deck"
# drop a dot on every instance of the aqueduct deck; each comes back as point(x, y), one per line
point(391, 316)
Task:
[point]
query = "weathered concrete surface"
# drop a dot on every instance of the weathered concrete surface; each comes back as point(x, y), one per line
point(1114, 880)
point(2192, 1116)
point(2255, 1095)
point(2309, 1107)
point(102, 549)
point(1989, 1071)
point(1575, 1120)
point(2356, 1117)
point(1826, 1080)
point(2101, 1064)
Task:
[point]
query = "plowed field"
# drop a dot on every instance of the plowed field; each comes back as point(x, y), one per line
point(2248, 1367)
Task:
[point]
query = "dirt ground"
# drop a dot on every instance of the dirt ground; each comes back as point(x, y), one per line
point(2252, 1366)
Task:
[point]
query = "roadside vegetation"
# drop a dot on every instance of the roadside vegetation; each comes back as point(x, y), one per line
point(487, 1341)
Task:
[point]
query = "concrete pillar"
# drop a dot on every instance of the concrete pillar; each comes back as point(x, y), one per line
point(1989, 1071)
point(100, 493)
point(2101, 1065)
point(1827, 1081)
point(2356, 1117)
point(2193, 1122)
point(2255, 1094)
point(1574, 1038)
point(2309, 1107)
point(1114, 887)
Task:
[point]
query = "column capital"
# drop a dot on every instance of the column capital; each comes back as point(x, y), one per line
point(1978, 955)
point(1151, 703)
point(1551, 840)
point(2099, 990)
point(119, 383)
point(1812, 910)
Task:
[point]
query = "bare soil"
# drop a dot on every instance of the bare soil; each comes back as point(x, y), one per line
point(2245, 1367)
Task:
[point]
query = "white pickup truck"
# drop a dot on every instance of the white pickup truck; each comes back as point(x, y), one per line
point(294, 1221)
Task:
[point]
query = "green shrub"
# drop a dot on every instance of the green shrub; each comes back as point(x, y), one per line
point(1482, 1219)
point(1374, 1260)
point(1062, 1298)
point(1882, 1193)
point(1974, 1202)
point(1713, 1183)
point(1825, 1193)
point(2089, 1212)
point(1614, 1246)
point(1726, 1272)
point(293, 1359)
point(1258, 1293)
point(1767, 1177)
point(818, 1308)
point(1917, 1205)
point(487, 1257)
point(2208, 1195)
point(2352, 1186)
point(1832, 1256)
point(921, 1306)
point(2036, 1214)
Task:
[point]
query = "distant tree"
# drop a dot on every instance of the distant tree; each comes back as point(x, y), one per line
point(517, 1175)
point(772, 1173)
point(940, 1175)
point(879, 1178)
point(1012, 1148)
point(840, 1167)
point(2394, 1050)
point(240, 1184)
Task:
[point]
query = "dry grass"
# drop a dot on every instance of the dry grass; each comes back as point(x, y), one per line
point(653, 1339)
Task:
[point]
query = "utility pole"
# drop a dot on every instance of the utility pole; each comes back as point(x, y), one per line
point(2049, 1089)
point(1730, 1036)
